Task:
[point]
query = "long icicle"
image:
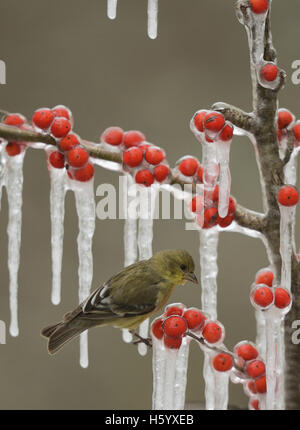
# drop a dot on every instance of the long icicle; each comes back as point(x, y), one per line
point(152, 18)
point(112, 9)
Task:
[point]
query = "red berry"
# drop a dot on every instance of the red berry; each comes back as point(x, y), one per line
point(161, 172)
point(69, 142)
point(133, 157)
point(265, 277)
point(254, 404)
point(246, 351)
point(197, 204)
point(174, 310)
point(154, 155)
point(198, 120)
point(200, 172)
point(62, 111)
point(285, 118)
point(259, 6)
point(225, 222)
point(14, 119)
point(282, 298)
point(194, 318)
point(172, 342)
point(144, 177)
point(133, 138)
point(261, 385)
point(13, 149)
point(77, 157)
point(175, 326)
point(157, 328)
point(222, 362)
point(85, 173)
point(255, 368)
point(263, 296)
point(210, 217)
point(288, 196)
point(251, 387)
point(112, 136)
point(57, 159)
point(269, 72)
point(60, 127)
point(227, 133)
point(214, 122)
point(188, 166)
point(42, 118)
point(212, 332)
point(296, 130)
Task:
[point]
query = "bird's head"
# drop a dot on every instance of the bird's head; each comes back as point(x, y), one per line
point(176, 265)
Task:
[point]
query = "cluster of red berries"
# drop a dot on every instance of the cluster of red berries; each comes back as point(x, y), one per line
point(286, 121)
point(146, 162)
point(206, 209)
point(173, 325)
point(16, 120)
point(264, 294)
point(71, 154)
point(254, 368)
point(212, 126)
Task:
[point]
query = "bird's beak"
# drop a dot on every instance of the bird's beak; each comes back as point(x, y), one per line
point(191, 277)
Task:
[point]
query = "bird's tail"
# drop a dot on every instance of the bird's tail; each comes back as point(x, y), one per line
point(59, 334)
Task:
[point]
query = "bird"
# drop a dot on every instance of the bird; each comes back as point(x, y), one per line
point(127, 298)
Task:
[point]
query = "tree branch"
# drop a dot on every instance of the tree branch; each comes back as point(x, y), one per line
point(239, 118)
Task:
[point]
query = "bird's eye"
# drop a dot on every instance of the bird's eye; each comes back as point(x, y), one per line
point(183, 267)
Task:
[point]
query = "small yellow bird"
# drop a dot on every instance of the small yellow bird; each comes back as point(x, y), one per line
point(126, 299)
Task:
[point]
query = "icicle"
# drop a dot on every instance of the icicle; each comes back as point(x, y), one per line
point(112, 8)
point(58, 178)
point(130, 240)
point(221, 387)
point(85, 206)
point(287, 215)
point(290, 169)
point(3, 169)
point(223, 154)
point(14, 187)
point(152, 18)
point(145, 237)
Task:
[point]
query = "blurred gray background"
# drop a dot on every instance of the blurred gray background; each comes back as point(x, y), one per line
point(110, 73)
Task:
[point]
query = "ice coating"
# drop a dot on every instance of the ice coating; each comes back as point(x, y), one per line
point(130, 241)
point(223, 153)
point(13, 180)
point(152, 18)
point(290, 169)
point(85, 206)
point(58, 188)
point(221, 395)
point(112, 8)
point(287, 216)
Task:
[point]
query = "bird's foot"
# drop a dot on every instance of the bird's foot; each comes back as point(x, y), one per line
point(147, 341)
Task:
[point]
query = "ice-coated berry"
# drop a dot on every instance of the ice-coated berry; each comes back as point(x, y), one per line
point(285, 118)
point(246, 351)
point(57, 159)
point(198, 120)
point(77, 157)
point(263, 297)
point(197, 204)
point(43, 118)
point(210, 217)
point(62, 111)
point(261, 385)
point(195, 319)
point(226, 134)
point(255, 368)
point(188, 166)
point(133, 138)
point(288, 196)
point(259, 6)
point(113, 136)
point(69, 142)
point(269, 72)
point(225, 222)
point(214, 122)
point(282, 298)
point(15, 119)
point(174, 310)
point(60, 127)
point(161, 172)
point(251, 387)
point(265, 277)
point(157, 329)
point(296, 131)
point(85, 173)
point(172, 342)
point(222, 362)
point(13, 149)
point(144, 177)
point(133, 157)
point(231, 206)
point(175, 326)
point(212, 332)
point(154, 155)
